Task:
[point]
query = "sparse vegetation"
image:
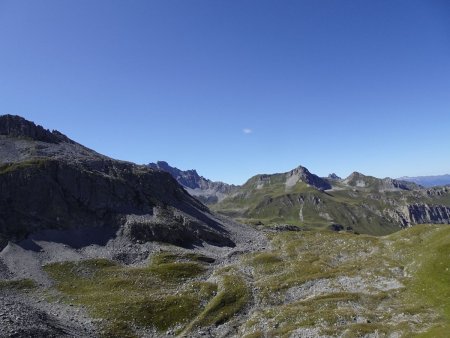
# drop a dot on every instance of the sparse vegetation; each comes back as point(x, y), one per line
point(333, 283)
point(345, 283)
point(10, 167)
point(21, 284)
point(232, 297)
point(166, 294)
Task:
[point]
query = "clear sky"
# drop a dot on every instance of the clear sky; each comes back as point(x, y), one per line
point(236, 88)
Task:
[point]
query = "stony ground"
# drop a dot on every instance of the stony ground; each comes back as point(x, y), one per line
point(274, 283)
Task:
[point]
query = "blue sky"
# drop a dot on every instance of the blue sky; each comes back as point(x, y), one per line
point(236, 88)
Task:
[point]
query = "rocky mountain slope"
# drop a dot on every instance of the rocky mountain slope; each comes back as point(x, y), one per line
point(51, 182)
point(95, 247)
point(359, 203)
point(428, 181)
point(205, 190)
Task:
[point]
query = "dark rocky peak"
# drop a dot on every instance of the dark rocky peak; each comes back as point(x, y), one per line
point(300, 170)
point(163, 165)
point(303, 174)
point(207, 191)
point(187, 178)
point(17, 126)
point(333, 176)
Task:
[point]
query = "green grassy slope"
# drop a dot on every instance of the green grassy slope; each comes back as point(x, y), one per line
point(349, 285)
point(302, 205)
point(372, 209)
point(169, 293)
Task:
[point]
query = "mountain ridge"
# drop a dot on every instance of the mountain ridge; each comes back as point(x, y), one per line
point(207, 191)
point(51, 182)
point(14, 125)
point(364, 204)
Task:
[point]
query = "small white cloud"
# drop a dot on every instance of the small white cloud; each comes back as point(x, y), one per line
point(247, 131)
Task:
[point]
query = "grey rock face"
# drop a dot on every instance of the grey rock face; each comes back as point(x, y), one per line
point(205, 190)
point(424, 213)
point(419, 213)
point(172, 227)
point(17, 126)
point(51, 185)
point(305, 176)
point(333, 176)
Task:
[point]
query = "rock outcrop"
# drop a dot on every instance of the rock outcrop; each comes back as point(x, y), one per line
point(16, 126)
point(54, 183)
point(333, 176)
point(424, 213)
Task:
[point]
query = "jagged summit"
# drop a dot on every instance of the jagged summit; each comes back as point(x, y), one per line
point(333, 176)
point(207, 191)
point(23, 140)
point(187, 178)
point(17, 126)
point(304, 175)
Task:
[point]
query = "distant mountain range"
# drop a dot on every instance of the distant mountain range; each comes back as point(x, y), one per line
point(429, 181)
point(359, 202)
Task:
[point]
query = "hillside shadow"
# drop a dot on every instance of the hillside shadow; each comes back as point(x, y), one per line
point(75, 238)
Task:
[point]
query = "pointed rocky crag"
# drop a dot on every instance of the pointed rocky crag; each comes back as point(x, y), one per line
point(205, 190)
point(16, 126)
point(302, 174)
point(333, 176)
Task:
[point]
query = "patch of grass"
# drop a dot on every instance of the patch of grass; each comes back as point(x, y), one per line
point(21, 284)
point(303, 256)
point(164, 295)
point(10, 167)
point(174, 272)
point(425, 251)
point(232, 297)
point(417, 258)
point(267, 262)
point(170, 257)
point(233, 294)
